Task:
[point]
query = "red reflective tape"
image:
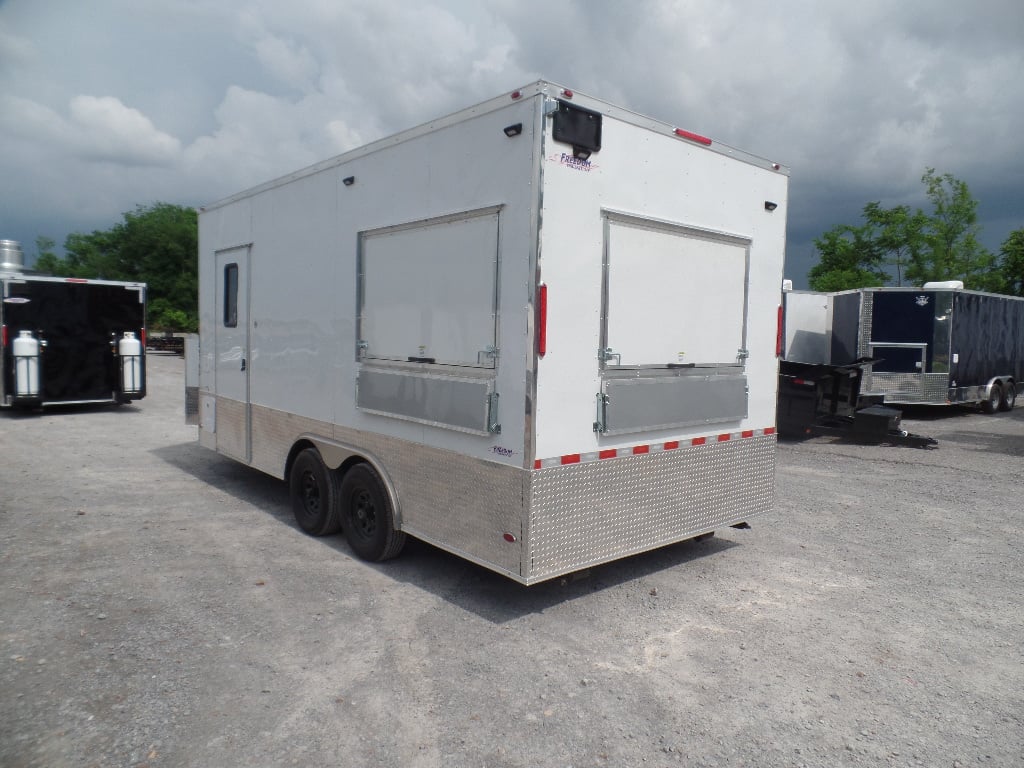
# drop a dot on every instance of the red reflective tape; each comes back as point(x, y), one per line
point(698, 441)
point(747, 433)
point(542, 320)
point(572, 458)
point(693, 137)
point(769, 430)
point(536, 464)
point(671, 445)
point(142, 338)
point(611, 453)
point(724, 438)
point(637, 449)
point(75, 280)
point(778, 333)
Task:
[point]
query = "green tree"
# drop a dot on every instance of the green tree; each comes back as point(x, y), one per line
point(1011, 263)
point(155, 244)
point(952, 250)
point(848, 258)
point(917, 246)
point(898, 234)
point(47, 261)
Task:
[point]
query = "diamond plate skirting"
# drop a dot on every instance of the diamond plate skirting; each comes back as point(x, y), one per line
point(563, 518)
point(584, 514)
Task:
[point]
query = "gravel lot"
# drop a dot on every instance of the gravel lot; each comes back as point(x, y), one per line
point(160, 608)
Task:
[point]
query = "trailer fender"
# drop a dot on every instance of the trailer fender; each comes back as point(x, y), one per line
point(336, 454)
point(993, 394)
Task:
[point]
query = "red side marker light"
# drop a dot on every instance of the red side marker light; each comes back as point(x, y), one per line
point(509, 537)
point(567, 93)
point(778, 333)
point(724, 438)
point(516, 94)
point(542, 320)
point(693, 137)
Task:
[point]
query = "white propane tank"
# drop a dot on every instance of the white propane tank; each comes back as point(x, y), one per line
point(26, 365)
point(130, 350)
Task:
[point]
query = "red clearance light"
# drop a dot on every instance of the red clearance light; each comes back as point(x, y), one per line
point(142, 337)
point(542, 320)
point(509, 537)
point(693, 137)
point(567, 93)
point(516, 94)
point(75, 280)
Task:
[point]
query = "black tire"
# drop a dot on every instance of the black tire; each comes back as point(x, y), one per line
point(1009, 397)
point(995, 398)
point(367, 517)
point(315, 494)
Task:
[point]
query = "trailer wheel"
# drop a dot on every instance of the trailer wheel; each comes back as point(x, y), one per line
point(367, 517)
point(315, 494)
point(1009, 397)
point(994, 400)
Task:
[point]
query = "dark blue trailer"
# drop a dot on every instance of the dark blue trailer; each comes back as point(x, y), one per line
point(936, 345)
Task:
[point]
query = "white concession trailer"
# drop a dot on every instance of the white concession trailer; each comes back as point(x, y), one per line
point(540, 333)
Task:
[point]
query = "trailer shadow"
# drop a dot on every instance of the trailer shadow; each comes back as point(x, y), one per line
point(69, 408)
point(498, 599)
point(469, 586)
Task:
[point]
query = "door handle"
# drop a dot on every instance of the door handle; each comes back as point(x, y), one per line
point(243, 363)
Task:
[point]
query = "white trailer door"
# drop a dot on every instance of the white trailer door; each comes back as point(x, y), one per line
point(232, 353)
point(673, 294)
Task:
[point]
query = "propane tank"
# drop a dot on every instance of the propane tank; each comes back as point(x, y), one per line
point(129, 349)
point(26, 365)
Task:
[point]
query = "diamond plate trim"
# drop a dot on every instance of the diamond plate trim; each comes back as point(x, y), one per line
point(922, 388)
point(584, 514)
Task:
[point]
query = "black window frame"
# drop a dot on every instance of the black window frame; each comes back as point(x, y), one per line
point(230, 318)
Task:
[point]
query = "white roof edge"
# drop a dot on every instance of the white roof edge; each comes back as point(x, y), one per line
point(539, 87)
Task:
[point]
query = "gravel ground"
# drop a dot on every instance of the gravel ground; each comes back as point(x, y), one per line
point(160, 608)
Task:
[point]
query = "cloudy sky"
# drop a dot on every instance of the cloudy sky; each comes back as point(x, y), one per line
point(107, 104)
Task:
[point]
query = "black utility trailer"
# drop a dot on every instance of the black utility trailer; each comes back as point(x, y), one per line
point(68, 340)
point(819, 399)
